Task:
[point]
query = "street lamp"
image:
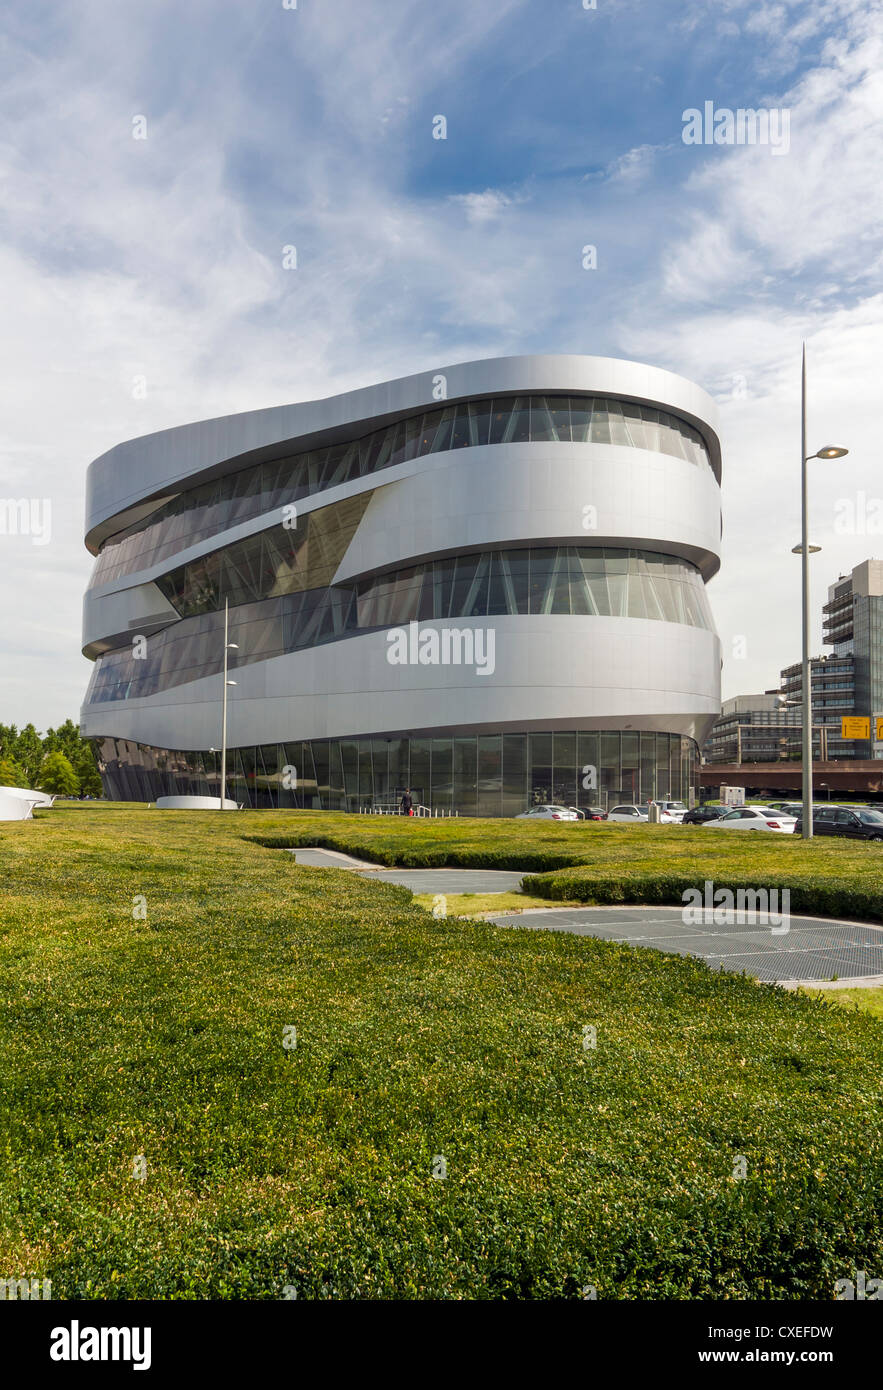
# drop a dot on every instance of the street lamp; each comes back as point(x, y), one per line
point(228, 647)
point(831, 451)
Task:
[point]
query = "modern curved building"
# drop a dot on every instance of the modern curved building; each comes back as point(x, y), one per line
point(485, 582)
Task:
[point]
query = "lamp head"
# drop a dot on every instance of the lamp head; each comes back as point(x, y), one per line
point(831, 452)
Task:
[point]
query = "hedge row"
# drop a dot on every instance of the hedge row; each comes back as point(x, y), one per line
point(814, 896)
point(416, 854)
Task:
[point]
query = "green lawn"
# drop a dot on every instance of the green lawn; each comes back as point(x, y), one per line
point(869, 1001)
point(567, 1166)
point(470, 904)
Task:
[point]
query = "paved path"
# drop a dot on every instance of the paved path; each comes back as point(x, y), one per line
point(328, 859)
point(452, 880)
point(812, 950)
point(418, 880)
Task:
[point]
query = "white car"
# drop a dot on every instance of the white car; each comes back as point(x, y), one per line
point(753, 818)
point(548, 813)
point(673, 811)
point(628, 815)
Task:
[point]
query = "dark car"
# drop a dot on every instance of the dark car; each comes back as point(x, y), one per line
point(852, 822)
point(594, 812)
point(700, 814)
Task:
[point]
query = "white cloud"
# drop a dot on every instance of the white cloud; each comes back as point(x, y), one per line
point(482, 207)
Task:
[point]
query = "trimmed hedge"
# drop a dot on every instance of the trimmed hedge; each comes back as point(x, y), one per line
point(813, 897)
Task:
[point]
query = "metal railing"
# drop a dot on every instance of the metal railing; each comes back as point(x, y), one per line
point(393, 808)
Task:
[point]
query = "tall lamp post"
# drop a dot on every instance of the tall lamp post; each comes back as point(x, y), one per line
point(831, 452)
point(228, 647)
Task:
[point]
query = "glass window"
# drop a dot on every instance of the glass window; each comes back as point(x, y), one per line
point(516, 578)
point(618, 432)
point(601, 423)
point(465, 776)
point(444, 428)
point(651, 428)
point(511, 422)
point(542, 568)
point(502, 409)
point(413, 434)
point(500, 598)
point(514, 796)
point(460, 432)
point(442, 773)
point(479, 421)
point(581, 418)
point(633, 424)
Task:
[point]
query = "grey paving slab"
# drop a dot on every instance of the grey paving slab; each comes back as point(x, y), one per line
point(312, 858)
point(418, 880)
point(813, 948)
point(451, 880)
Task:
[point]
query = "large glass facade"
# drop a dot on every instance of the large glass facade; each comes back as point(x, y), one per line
point(213, 507)
point(284, 616)
point(482, 774)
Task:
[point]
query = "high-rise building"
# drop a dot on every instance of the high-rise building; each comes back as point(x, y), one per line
point(847, 681)
point(854, 628)
point(752, 729)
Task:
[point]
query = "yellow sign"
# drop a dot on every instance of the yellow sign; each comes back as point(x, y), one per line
point(855, 726)
point(879, 729)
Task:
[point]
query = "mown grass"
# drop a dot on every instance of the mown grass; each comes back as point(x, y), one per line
point(567, 1166)
point(468, 904)
point(868, 1001)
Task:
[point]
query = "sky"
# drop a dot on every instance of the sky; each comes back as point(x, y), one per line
point(157, 159)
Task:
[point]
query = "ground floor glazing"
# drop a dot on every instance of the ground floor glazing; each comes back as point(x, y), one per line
point(483, 774)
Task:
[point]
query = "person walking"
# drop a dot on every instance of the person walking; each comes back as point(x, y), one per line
point(406, 806)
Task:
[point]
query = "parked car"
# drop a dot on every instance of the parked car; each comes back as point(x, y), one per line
point(548, 813)
point(700, 814)
point(672, 810)
point(594, 813)
point(790, 808)
point(753, 818)
point(628, 815)
point(851, 822)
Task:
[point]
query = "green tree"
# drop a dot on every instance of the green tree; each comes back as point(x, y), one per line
point(65, 739)
point(12, 774)
point(57, 776)
point(28, 752)
point(86, 769)
point(8, 740)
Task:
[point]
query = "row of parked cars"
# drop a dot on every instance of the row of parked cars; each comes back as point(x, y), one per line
point(780, 817)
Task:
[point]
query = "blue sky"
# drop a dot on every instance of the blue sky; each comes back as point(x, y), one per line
point(161, 259)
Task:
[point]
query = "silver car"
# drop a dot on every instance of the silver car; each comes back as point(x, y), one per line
point(628, 815)
point(548, 813)
point(753, 818)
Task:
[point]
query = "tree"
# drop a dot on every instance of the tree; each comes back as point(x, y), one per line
point(12, 774)
point(57, 776)
point(28, 753)
point(65, 739)
point(86, 769)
